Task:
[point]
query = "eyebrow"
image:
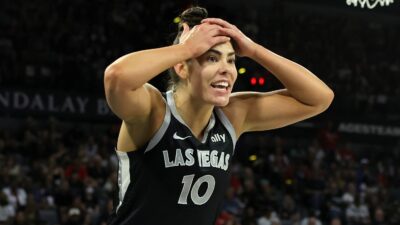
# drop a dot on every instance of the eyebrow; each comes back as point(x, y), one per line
point(220, 53)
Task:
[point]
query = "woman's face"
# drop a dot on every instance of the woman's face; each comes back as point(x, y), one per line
point(212, 75)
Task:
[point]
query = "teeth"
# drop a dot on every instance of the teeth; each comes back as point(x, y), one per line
point(223, 84)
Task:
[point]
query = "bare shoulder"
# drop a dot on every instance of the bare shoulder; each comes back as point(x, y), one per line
point(244, 105)
point(237, 108)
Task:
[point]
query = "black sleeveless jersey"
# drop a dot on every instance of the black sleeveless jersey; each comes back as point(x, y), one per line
point(175, 179)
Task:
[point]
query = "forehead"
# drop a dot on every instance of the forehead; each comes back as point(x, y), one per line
point(225, 48)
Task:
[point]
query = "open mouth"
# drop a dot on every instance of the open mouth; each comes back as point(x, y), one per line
point(221, 85)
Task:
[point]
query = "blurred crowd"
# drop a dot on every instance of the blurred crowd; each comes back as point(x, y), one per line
point(57, 173)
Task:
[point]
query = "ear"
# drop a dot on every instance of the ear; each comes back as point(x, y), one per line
point(181, 69)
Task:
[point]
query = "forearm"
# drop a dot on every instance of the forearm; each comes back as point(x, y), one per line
point(302, 84)
point(135, 69)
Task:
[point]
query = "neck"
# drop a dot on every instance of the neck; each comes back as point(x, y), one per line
point(194, 112)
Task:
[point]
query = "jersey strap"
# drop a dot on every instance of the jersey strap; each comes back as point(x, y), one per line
point(161, 131)
point(228, 125)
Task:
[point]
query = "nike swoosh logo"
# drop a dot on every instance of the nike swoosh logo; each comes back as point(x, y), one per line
point(178, 137)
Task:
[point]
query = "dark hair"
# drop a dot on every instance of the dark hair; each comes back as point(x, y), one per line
point(192, 17)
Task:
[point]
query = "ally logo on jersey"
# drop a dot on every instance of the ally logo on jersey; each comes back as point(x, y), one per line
point(218, 138)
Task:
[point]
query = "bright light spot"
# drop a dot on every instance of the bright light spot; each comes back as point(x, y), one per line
point(261, 81)
point(242, 70)
point(253, 158)
point(253, 81)
point(289, 181)
point(177, 19)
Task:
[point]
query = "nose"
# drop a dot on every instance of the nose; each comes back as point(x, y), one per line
point(223, 67)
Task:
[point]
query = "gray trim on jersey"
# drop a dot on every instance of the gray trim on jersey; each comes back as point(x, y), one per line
point(124, 175)
point(174, 111)
point(161, 131)
point(225, 121)
point(210, 126)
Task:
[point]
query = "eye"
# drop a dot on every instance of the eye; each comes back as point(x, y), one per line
point(232, 61)
point(212, 58)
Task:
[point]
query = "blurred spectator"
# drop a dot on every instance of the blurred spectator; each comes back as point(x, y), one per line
point(16, 195)
point(232, 204)
point(74, 217)
point(288, 210)
point(7, 211)
point(249, 216)
point(335, 221)
point(379, 217)
point(357, 213)
point(268, 217)
point(311, 219)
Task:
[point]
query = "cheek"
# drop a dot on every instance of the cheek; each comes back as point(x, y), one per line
point(198, 81)
point(208, 73)
point(235, 75)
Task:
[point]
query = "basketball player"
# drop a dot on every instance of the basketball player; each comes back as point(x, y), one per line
point(175, 148)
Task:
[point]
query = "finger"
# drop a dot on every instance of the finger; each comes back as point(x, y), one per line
point(214, 31)
point(208, 26)
point(220, 39)
point(218, 21)
point(229, 32)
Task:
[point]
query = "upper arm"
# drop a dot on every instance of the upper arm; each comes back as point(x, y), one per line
point(130, 105)
point(264, 111)
point(141, 110)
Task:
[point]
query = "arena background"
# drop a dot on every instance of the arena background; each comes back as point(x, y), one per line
point(57, 135)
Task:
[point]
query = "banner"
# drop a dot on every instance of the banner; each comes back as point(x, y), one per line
point(369, 129)
point(24, 103)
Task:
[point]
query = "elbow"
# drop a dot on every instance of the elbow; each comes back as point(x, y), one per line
point(116, 78)
point(326, 99)
point(111, 77)
point(111, 73)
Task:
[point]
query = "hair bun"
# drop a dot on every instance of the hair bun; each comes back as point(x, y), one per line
point(193, 16)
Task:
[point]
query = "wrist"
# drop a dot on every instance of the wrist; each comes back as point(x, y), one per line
point(187, 51)
point(255, 48)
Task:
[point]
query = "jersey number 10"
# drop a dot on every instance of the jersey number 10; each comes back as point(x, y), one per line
point(194, 194)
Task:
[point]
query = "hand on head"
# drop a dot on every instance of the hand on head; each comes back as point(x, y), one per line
point(244, 46)
point(202, 37)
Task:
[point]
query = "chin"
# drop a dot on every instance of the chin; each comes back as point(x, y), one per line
point(217, 98)
point(221, 103)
